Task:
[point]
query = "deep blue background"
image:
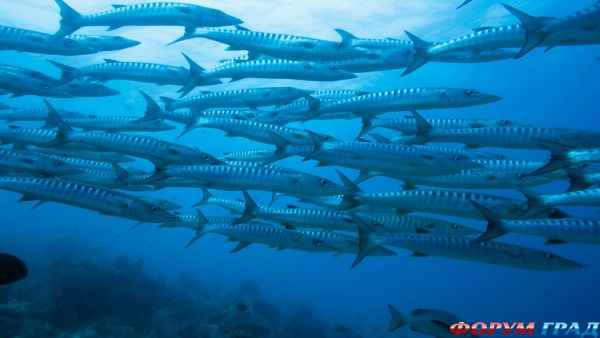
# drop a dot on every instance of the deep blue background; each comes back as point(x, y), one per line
point(559, 88)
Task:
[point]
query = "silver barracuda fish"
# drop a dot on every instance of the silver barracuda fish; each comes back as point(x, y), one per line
point(22, 40)
point(133, 71)
point(430, 322)
point(102, 43)
point(556, 230)
point(406, 100)
point(157, 151)
point(108, 202)
point(144, 14)
point(273, 69)
point(539, 29)
point(281, 46)
point(247, 177)
point(408, 125)
point(521, 137)
point(564, 156)
point(538, 203)
point(463, 249)
point(253, 97)
point(38, 114)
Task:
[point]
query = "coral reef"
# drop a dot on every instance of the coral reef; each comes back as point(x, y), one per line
point(86, 298)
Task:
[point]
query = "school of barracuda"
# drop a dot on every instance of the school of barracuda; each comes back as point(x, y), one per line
point(78, 159)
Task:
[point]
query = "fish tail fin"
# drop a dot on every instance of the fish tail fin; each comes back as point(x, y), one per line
point(281, 145)
point(187, 34)
point(464, 3)
point(350, 187)
point(557, 158)
point(206, 196)
point(535, 204)
point(398, 319)
point(249, 211)
point(318, 141)
point(69, 20)
point(367, 125)
point(194, 123)
point(159, 174)
point(153, 110)
point(196, 73)
point(494, 227)
point(421, 56)
point(200, 228)
point(424, 129)
point(67, 73)
point(122, 176)
point(380, 138)
point(534, 35)
point(576, 180)
point(55, 121)
point(346, 36)
point(168, 102)
point(366, 240)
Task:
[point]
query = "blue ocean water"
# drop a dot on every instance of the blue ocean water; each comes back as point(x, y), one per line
point(558, 88)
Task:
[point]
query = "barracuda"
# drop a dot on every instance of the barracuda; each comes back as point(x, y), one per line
point(556, 231)
point(94, 155)
point(22, 40)
point(487, 40)
point(19, 84)
point(113, 123)
point(283, 46)
point(360, 155)
point(257, 131)
point(157, 151)
point(580, 180)
point(253, 155)
point(540, 29)
point(563, 156)
point(133, 71)
point(408, 224)
point(463, 249)
point(408, 125)
point(378, 157)
point(443, 202)
point(293, 217)
point(32, 164)
point(538, 203)
point(253, 97)
point(102, 43)
point(86, 88)
point(274, 69)
point(522, 137)
point(408, 99)
point(38, 114)
point(107, 202)
point(495, 174)
point(145, 14)
point(253, 177)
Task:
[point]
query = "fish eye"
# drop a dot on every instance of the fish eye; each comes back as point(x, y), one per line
point(45, 85)
point(455, 226)
point(68, 42)
point(333, 68)
point(323, 181)
point(550, 256)
point(206, 157)
point(520, 175)
point(471, 92)
point(58, 164)
point(458, 158)
point(154, 209)
point(317, 241)
point(505, 122)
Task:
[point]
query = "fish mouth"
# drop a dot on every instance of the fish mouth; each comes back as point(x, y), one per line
point(488, 98)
